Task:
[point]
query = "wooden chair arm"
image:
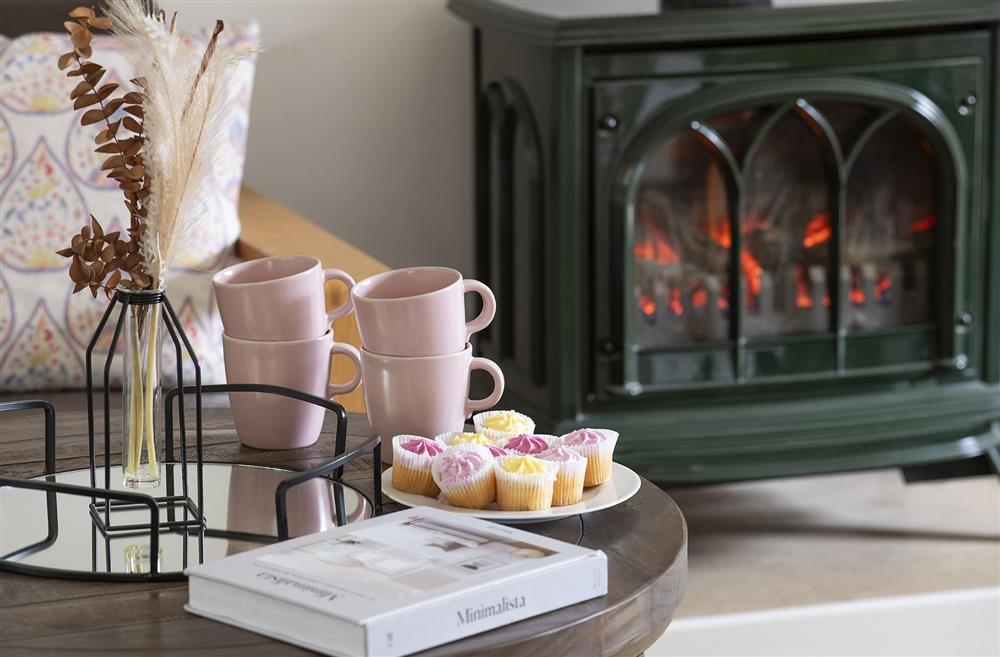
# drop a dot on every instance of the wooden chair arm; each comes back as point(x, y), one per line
point(270, 229)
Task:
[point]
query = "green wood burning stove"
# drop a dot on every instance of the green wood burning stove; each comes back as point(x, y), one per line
point(758, 241)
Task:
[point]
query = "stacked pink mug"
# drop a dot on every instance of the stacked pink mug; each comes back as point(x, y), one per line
point(277, 332)
point(416, 357)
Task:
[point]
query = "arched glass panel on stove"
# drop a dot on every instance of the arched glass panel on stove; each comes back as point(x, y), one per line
point(786, 216)
point(681, 244)
point(890, 226)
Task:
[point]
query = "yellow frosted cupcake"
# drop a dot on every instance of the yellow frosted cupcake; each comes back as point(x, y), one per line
point(501, 426)
point(524, 483)
point(459, 437)
point(568, 488)
point(598, 445)
point(411, 464)
point(465, 475)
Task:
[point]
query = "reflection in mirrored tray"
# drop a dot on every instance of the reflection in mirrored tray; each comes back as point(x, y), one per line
point(239, 515)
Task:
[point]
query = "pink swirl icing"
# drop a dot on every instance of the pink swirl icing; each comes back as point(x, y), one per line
point(560, 454)
point(495, 451)
point(422, 446)
point(585, 437)
point(458, 465)
point(527, 444)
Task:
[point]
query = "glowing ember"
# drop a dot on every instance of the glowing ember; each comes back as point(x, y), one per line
point(803, 288)
point(752, 272)
point(674, 301)
point(699, 296)
point(647, 304)
point(923, 224)
point(817, 230)
point(723, 301)
point(856, 295)
point(883, 287)
point(654, 245)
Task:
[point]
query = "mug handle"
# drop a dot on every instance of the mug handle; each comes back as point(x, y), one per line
point(488, 311)
point(487, 365)
point(346, 307)
point(352, 353)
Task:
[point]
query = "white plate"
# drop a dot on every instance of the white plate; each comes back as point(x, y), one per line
point(623, 484)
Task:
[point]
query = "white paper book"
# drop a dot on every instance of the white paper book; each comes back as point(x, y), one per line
point(396, 584)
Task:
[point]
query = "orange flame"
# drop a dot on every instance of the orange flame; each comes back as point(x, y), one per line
point(803, 288)
point(675, 302)
point(752, 271)
point(856, 295)
point(817, 230)
point(699, 296)
point(654, 246)
point(923, 224)
point(883, 286)
point(723, 301)
point(647, 305)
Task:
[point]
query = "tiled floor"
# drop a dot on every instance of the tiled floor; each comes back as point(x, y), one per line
point(832, 538)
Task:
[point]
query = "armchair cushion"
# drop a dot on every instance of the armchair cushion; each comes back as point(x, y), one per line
point(50, 181)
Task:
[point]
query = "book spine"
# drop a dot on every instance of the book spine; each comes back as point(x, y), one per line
point(487, 608)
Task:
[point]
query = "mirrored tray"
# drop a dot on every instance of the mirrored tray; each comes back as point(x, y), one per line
point(53, 534)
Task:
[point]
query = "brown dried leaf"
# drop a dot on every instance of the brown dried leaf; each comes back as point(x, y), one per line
point(76, 273)
point(66, 59)
point(94, 287)
point(82, 12)
point(78, 286)
point(133, 148)
point(130, 186)
point(135, 110)
point(112, 106)
point(108, 254)
point(92, 116)
point(114, 279)
point(106, 90)
point(80, 89)
point(139, 82)
point(73, 28)
point(137, 172)
point(110, 147)
point(121, 248)
point(142, 279)
point(100, 22)
point(85, 232)
point(85, 51)
point(93, 77)
point(112, 238)
point(133, 98)
point(132, 124)
point(112, 162)
point(132, 261)
point(85, 100)
point(108, 133)
point(96, 227)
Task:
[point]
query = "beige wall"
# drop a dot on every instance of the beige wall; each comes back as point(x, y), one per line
point(361, 120)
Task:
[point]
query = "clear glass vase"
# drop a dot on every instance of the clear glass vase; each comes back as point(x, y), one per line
point(141, 400)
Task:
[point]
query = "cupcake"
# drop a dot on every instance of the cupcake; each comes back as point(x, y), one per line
point(500, 426)
point(411, 470)
point(597, 445)
point(464, 473)
point(568, 488)
point(524, 483)
point(458, 437)
point(530, 443)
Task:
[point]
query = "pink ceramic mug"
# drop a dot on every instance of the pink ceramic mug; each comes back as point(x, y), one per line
point(418, 311)
point(268, 421)
point(279, 298)
point(424, 395)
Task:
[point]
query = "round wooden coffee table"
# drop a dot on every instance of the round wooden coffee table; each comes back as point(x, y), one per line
point(645, 540)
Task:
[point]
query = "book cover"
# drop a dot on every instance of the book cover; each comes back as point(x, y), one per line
point(392, 575)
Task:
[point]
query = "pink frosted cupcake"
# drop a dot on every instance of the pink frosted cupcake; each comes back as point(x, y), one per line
point(597, 445)
point(530, 443)
point(568, 488)
point(464, 473)
point(411, 469)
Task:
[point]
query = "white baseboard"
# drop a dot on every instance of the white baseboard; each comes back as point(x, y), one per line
point(952, 623)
